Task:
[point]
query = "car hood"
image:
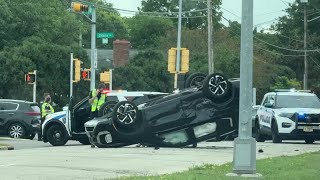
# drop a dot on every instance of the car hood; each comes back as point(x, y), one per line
point(95, 121)
point(56, 115)
point(298, 110)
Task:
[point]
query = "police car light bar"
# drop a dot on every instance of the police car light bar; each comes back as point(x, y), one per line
point(291, 90)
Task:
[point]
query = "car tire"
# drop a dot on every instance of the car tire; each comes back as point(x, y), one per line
point(125, 114)
point(195, 79)
point(259, 137)
point(275, 133)
point(309, 140)
point(16, 130)
point(84, 141)
point(107, 108)
point(57, 136)
point(216, 86)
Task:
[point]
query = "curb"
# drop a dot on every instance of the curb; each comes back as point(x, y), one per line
point(6, 148)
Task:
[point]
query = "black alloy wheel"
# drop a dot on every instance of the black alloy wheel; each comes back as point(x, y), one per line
point(125, 114)
point(107, 108)
point(195, 79)
point(216, 86)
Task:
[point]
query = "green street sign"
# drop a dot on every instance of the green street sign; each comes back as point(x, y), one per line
point(105, 35)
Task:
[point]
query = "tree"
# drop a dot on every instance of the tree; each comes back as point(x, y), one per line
point(147, 71)
point(145, 32)
point(283, 82)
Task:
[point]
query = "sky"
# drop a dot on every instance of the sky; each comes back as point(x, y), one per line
point(265, 11)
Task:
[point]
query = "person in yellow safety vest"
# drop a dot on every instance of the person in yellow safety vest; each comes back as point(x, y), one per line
point(46, 109)
point(96, 99)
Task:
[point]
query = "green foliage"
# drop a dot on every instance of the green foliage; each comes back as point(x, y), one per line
point(147, 71)
point(145, 32)
point(282, 82)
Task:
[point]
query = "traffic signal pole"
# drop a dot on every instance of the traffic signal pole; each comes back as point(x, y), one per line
point(71, 74)
point(35, 86)
point(178, 47)
point(93, 49)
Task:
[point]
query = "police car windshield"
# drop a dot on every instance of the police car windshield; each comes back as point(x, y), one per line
point(289, 101)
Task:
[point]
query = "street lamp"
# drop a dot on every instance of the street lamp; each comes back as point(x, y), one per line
point(305, 75)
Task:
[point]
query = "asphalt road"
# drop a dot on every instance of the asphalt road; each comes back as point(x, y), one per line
point(19, 144)
point(83, 162)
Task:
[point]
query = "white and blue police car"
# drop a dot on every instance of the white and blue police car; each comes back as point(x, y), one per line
point(288, 115)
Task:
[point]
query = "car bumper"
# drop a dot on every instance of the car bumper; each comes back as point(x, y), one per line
point(301, 134)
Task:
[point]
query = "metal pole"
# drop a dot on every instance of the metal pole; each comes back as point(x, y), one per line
point(35, 86)
point(93, 49)
point(71, 74)
point(110, 84)
point(178, 47)
point(244, 159)
point(305, 84)
point(210, 41)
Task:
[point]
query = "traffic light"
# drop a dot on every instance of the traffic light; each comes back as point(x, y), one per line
point(30, 78)
point(77, 67)
point(184, 60)
point(172, 60)
point(105, 77)
point(78, 7)
point(86, 74)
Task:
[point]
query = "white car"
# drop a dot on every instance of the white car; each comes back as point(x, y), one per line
point(68, 124)
point(288, 115)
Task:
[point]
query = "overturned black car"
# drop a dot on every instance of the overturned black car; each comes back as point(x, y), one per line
point(204, 112)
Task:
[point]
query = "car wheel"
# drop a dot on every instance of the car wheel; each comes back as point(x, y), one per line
point(84, 141)
point(275, 133)
point(195, 79)
point(216, 86)
point(309, 141)
point(107, 108)
point(16, 130)
point(57, 136)
point(259, 137)
point(125, 114)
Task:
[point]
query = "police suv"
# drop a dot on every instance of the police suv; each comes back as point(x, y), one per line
point(66, 125)
point(288, 115)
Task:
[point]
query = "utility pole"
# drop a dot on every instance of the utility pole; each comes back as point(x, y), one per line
point(305, 76)
point(244, 156)
point(178, 47)
point(210, 42)
point(94, 63)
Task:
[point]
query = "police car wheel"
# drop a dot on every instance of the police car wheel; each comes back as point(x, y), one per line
point(309, 141)
point(275, 133)
point(259, 137)
point(56, 136)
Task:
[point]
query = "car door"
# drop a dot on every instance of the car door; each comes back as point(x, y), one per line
point(266, 111)
point(7, 112)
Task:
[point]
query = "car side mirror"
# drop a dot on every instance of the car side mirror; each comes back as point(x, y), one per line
point(268, 105)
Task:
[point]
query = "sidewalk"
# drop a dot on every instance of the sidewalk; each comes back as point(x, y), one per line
point(5, 146)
